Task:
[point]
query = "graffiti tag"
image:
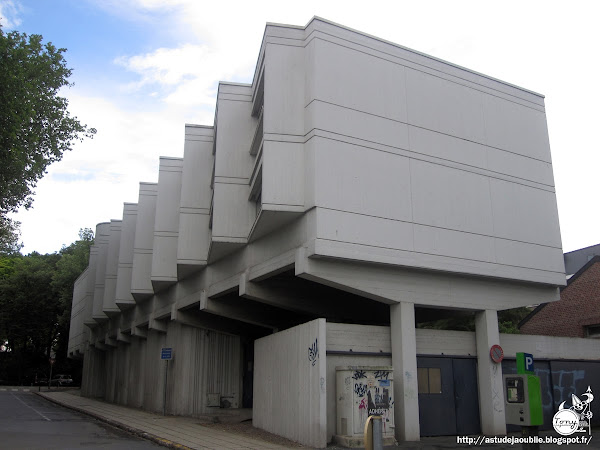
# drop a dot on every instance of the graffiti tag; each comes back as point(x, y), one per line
point(358, 374)
point(382, 374)
point(313, 353)
point(360, 389)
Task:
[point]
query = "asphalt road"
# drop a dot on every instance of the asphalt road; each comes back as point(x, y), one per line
point(28, 421)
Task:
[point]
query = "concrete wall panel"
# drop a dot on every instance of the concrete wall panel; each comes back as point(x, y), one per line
point(372, 339)
point(518, 129)
point(440, 105)
point(284, 90)
point(166, 223)
point(93, 377)
point(101, 240)
point(235, 130)
point(81, 300)
point(141, 286)
point(359, 180)
point(283, 175)
point(359, 81)
point(233, 215)
point(123, 297)
point(525, 214)
point(196, 195)
point(290, 384)
point(451, 199)
point(344, 123)
point(112, 262)
point(362, 229)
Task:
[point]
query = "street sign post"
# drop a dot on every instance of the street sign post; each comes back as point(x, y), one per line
point(525, 363)
point(496, 353)
point(166, 354)
point(51, 361)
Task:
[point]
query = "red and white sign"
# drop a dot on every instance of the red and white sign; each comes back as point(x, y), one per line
point(496, 353)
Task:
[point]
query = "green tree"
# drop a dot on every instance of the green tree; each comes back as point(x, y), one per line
point(508, 321)
point(35, 125)
point(29, 311)
point(36, 292)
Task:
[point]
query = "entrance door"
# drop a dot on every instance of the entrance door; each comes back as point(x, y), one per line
point(466, 396)
point(437, 416)
point(448, 396)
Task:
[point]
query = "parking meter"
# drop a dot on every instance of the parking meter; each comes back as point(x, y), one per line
point(523, 400)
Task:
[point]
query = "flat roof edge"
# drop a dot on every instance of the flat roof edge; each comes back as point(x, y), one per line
point(193, 125)
point(416, 52)
point(232, 83)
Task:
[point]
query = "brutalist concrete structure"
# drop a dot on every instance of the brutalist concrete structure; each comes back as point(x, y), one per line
point(354, 183)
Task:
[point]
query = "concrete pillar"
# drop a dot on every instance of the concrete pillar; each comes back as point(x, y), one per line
point(404, 361)
point(489, 375)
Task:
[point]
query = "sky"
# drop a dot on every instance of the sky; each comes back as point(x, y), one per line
point(142, 69)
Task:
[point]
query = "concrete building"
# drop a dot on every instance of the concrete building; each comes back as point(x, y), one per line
point(353, 189)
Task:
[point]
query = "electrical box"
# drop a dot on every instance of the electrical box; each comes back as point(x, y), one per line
point(523, 400)
point(364, 391)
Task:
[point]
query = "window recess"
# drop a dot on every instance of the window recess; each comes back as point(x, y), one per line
point(429, 380)
point(257, 141)
point(256, 189)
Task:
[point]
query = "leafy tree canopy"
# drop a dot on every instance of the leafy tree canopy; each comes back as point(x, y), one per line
point(508, 321)
point(36, 292)
point(35, 125)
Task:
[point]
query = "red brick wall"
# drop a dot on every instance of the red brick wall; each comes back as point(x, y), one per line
point(579, 305)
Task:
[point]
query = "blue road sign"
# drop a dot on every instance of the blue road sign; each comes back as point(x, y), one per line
point(166, 353)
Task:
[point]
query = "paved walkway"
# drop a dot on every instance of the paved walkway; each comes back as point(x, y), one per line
point(170, 431)
point(185, 432)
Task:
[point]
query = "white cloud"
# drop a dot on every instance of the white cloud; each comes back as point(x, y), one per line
point(92, 181)
point(169, 66)
point(544, 46)
point(187, 75)
point(9, 14)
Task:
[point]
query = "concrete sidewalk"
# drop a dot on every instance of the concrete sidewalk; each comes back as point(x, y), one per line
point(186, 432)
point(170, 431)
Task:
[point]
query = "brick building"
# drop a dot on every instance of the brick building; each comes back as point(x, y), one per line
point(577, 314)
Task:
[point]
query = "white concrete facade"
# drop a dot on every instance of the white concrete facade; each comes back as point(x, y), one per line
point(354, 180)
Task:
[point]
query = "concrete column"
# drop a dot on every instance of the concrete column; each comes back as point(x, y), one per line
point(489, 375)
point(404, 361)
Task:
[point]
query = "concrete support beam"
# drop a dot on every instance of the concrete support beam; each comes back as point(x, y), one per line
point(100, 345)
point(91, 324)
point(216, 323)
point(158, 325)
point(139, 332)
point(124, 305)
point(489, 374)
point(404, 361)
point(225, 307)
point(282, 297)
point(223, 287)
point(109, 341)
point(123, 337)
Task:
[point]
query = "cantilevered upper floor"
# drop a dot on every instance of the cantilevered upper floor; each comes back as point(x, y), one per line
point(349, 161)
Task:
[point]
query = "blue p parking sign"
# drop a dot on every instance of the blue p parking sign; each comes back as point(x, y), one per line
point(525, 363)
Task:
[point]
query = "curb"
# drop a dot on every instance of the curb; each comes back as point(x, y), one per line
point(135, 431)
